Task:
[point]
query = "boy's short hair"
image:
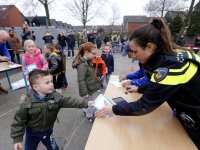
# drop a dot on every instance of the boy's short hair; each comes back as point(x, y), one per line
point(35, 74)
point(49, 46)
point(57, 46)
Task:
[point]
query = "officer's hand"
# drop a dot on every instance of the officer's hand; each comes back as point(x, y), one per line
point(18, 146)
point(105, 111)
point(126, 83)
point(122, 77)
point(132, 89)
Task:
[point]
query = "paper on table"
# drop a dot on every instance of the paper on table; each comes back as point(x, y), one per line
point(116, 83)
point(99, 101)
point(13, 66)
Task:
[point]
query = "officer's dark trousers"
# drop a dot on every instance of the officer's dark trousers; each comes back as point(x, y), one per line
point(194, 134)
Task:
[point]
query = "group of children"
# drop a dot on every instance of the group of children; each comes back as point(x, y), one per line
point(53, 60)
point(39, 108)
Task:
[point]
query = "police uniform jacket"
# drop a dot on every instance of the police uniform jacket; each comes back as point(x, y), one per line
point(174, 79)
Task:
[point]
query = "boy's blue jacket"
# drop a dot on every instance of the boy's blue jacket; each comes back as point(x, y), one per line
point(98, 41)
point(109, 60)
point(4, 51)
point(139, 77)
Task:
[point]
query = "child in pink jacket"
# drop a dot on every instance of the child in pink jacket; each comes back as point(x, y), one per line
point(32, 57)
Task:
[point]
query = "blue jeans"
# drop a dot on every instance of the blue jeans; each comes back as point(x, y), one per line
point(70, 47)
point(64, 79)
point(31, 142)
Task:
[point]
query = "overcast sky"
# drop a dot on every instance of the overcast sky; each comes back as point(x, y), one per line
point(127, 7)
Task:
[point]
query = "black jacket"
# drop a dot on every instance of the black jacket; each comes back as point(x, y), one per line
point(180, 42)
point(62, 40)
point(48, 39)
point(91, 38)
point(71, 40)
point(109, 60)
point(197, 43)
point(172, 78)
point(106, 39)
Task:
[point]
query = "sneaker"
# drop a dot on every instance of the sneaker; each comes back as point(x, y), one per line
point(91, 119)
point(65, 87)
point(68, 57)
point(98, 91)
point(2, 91)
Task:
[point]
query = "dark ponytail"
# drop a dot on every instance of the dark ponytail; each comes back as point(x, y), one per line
point(155, 32)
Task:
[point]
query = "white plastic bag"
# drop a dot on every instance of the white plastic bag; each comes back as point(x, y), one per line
point(19, 84)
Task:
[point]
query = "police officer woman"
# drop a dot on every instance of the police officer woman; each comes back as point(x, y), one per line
point(174, 77)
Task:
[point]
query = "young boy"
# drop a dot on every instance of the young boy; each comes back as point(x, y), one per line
point(55, 65)
point(57, 49)
point(98, 41)
point(109, 60)
point(99, 68)
point(38, 112)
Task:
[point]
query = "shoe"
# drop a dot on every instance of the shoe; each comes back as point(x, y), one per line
point(2, 91)
point(68, 57)
point(102, 85)
point(91, 119)
point(98, 91)
point(65, 87)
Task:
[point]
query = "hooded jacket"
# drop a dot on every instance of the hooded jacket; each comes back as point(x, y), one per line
point(86, 78)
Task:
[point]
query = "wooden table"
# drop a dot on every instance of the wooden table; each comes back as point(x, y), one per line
point(159, 130)
point(4, 68)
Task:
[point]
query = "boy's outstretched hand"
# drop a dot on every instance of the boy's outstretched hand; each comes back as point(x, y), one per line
point(90, 103)
point(18, 146)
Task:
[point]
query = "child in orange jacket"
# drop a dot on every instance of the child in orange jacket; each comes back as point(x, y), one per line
point(99, 67)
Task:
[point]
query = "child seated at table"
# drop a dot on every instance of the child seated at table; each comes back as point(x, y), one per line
point(33, 57)
point(38, 112)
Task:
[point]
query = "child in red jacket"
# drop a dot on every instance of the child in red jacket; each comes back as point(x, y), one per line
point(99, 67)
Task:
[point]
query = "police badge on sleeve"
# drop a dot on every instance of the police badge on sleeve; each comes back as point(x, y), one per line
point(160, 74)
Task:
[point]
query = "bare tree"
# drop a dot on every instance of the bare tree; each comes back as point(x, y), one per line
point(115, 16)
point(157, 8)
point(187, 18)
point(85, 10)
point(31, 5)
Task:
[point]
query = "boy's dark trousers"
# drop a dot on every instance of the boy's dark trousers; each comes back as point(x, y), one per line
point(57, 81)
point(32, 142)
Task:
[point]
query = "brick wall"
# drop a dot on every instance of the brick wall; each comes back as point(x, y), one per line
point(15, 17)
point(133, 26)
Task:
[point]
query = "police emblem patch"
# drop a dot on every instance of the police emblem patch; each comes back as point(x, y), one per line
point(160, 74)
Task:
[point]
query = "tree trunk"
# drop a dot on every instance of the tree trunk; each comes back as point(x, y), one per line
point(47, 13)
point(187, 18)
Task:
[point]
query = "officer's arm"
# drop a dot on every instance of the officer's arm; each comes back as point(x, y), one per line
point(152, 98)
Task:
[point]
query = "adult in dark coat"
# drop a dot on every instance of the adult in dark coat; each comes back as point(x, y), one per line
point(91, 37)
point(181, 41)
point(106, 39)
point(48, 38)
point(26, 35)
point(71, 43)
point(62, 39)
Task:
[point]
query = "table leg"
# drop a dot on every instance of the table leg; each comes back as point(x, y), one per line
point(25, 83)
point(7, 74)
